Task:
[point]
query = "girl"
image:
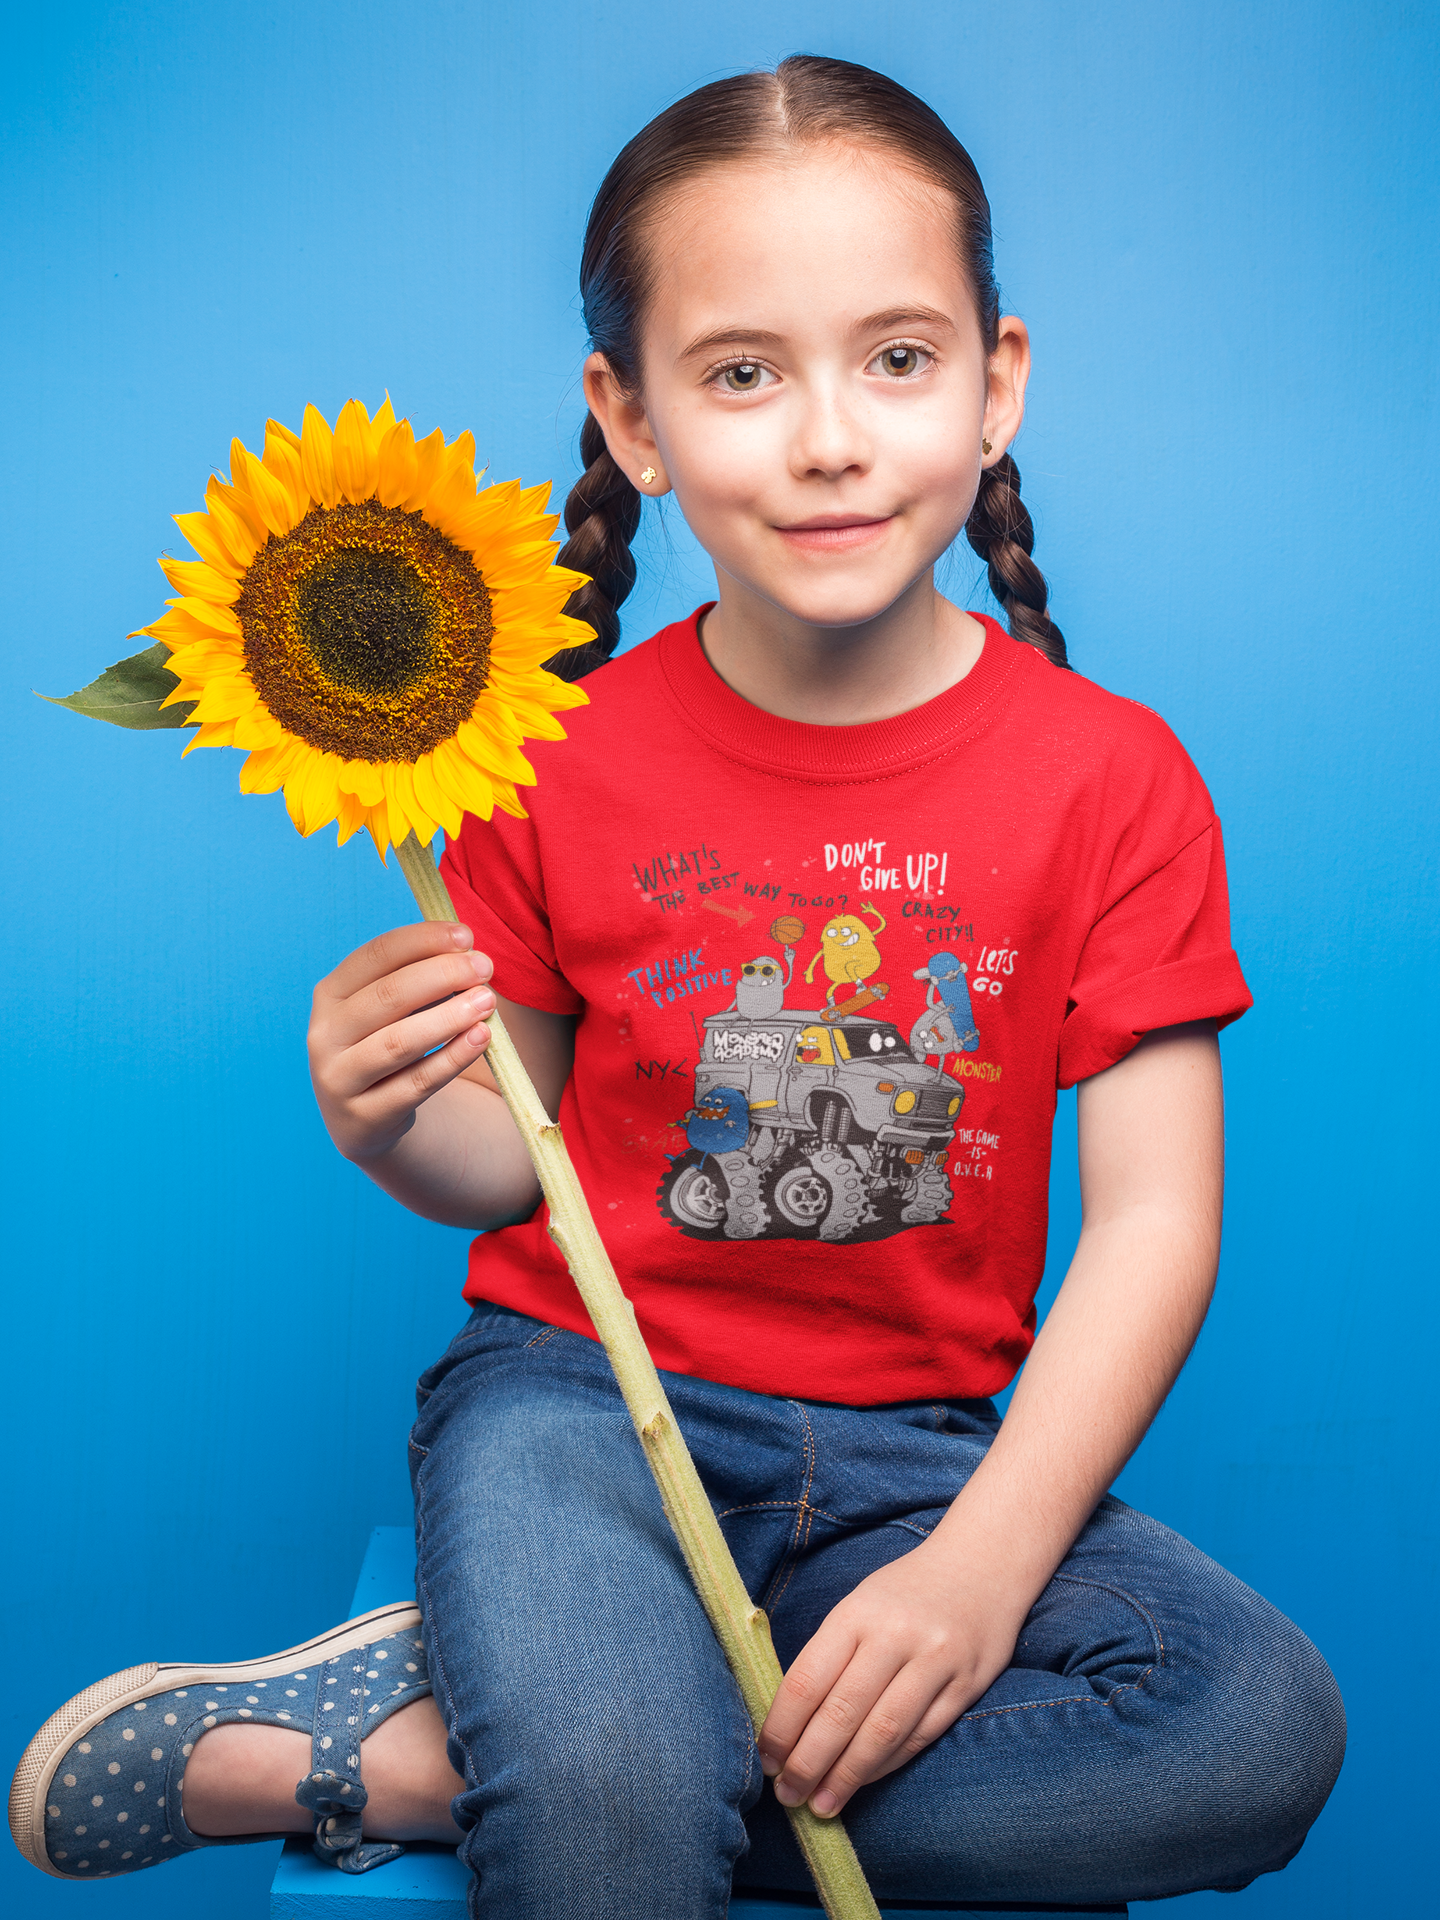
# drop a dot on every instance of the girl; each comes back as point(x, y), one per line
point(1018, 1689)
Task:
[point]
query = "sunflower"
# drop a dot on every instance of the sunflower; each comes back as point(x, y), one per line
point(371, 625)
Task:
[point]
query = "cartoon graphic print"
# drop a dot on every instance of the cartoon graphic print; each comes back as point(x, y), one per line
point(760, 990)
point(848, 949)
point(719, 1121)
point(814, 1123)
point(948, 1023)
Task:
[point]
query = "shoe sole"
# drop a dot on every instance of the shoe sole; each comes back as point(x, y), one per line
point(31, 1785)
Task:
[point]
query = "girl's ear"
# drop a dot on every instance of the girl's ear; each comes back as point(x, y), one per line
point(626, 429)
point(1008, 370)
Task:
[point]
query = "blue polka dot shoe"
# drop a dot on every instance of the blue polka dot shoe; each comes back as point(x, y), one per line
point(98, 1791)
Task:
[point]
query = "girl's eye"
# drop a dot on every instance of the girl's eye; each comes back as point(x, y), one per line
point(898, 362)
point(746, 377)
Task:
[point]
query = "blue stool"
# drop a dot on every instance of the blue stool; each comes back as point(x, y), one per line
point(429, 1882)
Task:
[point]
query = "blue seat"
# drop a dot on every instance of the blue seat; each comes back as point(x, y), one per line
point(429, 1882)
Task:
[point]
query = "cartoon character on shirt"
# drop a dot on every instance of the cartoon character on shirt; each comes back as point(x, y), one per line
point(760, 989)
point(720, 1122)
point(848, 950)
point(948, 1023)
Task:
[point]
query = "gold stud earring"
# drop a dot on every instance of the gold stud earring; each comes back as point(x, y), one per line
point(647, 478)
point(985, 446)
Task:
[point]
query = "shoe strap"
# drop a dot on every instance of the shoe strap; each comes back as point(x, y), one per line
point(333, 1790)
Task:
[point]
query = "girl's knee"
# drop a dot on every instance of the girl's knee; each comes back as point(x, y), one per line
point(1260, 1751)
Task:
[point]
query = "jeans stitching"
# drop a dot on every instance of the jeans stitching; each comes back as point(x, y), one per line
point(439, 1684)
point(1068, 1700)
point(1105, 1586)
point(539, 1339)
point(804, 1516)
point(1080, 1699)
point(755, 1506)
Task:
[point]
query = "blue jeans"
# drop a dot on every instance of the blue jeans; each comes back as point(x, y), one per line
point(1161, 1729)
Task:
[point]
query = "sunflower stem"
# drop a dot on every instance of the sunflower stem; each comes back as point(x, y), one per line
point(741, 1627)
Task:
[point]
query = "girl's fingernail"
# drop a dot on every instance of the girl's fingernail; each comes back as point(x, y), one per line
point(478, 1036)
point(768, 1766)
point(481, 1002)
point(825, 1804)
point(786, 1794)
point(481, 965)
point(461, 936)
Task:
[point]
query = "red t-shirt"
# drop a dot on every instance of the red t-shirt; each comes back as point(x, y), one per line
point(827, 982)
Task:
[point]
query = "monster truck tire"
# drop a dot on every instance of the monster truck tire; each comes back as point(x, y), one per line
point(847, 1186)
point(930, 1200)
point(746, 1215)
point(694, 1194)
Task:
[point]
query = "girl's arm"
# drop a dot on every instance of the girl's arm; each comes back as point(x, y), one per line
point(396, 1037)
point(903, 1656)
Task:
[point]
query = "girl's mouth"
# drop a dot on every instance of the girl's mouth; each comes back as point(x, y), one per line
point(835, 532)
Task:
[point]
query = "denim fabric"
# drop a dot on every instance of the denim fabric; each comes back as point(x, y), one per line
point(1162, 1728)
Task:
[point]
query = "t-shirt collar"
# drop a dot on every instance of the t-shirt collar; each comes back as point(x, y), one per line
point(804, 750)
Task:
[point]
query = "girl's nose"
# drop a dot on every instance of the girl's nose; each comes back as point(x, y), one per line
point(829, 441)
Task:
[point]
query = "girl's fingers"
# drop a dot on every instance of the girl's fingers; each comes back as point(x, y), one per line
point(908, 1715)
point(394, 996)
point(398, 1096)
point(835, 1722)
point(808, 1683)
point(384, 1056)
point(388, 952)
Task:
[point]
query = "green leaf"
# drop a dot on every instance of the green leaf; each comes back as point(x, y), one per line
point(129, 693)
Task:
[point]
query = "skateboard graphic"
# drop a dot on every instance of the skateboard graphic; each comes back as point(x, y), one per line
point(867, 997)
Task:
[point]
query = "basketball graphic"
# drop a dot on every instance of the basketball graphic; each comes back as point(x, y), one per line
point(787, 930)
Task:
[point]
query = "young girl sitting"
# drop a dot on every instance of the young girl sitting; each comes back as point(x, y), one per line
point(1018, 1689)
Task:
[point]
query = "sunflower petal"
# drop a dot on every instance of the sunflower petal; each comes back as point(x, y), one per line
point(270, 499)
point(283, 434)
point(362, 778)
point(433, 797)
point(429, 453)
point(198, 580)
point(382, 423)
point(355, 463)
point(508, 800)
point(237, 499)
point(230, 524)
point(218, 733)
point(317, 458)
point(179, 627)
point(395, 465)
point(199, 529)
point(257, 728)
point(483, 745)
point(282, 460)
point(351, 817)
point(265, 770)
point(467, 785)
point(403, 789)
point(320, 794)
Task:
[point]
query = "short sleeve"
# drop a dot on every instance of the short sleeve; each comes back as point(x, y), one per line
point(493, 872)
point(1157, 956)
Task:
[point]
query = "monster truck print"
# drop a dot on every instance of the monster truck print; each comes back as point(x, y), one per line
point(807, 1129)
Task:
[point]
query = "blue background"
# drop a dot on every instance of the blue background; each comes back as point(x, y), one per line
point(1219, 222)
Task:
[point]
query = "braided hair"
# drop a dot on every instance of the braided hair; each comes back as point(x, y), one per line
point(806, 99)
point(1002, 533)
point(602, 513)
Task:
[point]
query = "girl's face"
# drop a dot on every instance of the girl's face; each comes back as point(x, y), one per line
point(815, 388)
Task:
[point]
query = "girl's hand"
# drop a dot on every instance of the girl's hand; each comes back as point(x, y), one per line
point(891, 1668)
point(375, 1025)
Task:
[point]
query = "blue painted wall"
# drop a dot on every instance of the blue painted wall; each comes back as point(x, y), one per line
point(1219, 221)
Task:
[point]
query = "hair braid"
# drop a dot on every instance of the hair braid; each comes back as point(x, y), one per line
point(1002, 533)
point(602, 513)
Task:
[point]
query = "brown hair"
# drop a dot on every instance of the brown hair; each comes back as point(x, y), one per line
point(805, 99)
